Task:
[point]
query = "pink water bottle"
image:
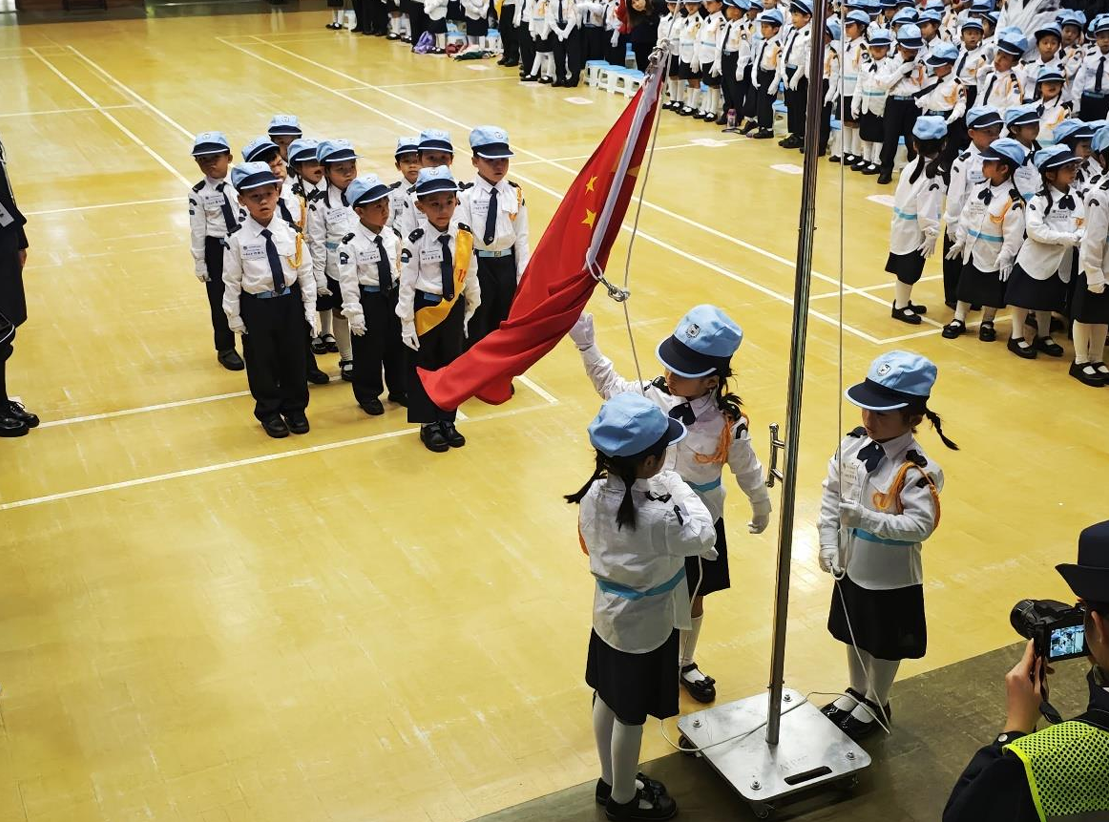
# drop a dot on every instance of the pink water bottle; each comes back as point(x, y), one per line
point(731, 119)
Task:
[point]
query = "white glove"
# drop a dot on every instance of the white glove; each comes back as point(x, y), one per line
point(469, 315)
point(760, 516)
point(715, 70)
point(236, 325)
point(582, 333)
point(829, 559)
point(1096, 288)
point(851, 513)
point(955, 252)
point(202, 273)
point(795, 80)
point(615, 39)
point(711, 554)
point(323, 290)
point(928, 247)
point(357, 325)
point(1076, 238)
point(1004, 272)
point(856, 106)
point(310, 317)
point(409, 336)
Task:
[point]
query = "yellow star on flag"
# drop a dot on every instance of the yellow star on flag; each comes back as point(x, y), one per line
point(589, 185)
point(590, 217)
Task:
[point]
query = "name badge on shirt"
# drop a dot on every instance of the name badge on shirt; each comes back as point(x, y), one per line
point(479, 210)
point(214, 201)
point(335, 215)
point(6, 218)
point(365, 257)
point(256, 251)
point(975, 208)
point(431, 255)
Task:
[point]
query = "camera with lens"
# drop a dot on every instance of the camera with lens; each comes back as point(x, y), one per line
point(1056, 629)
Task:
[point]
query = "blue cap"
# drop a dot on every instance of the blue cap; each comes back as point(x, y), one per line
point(930, 128)
point(981, 7)
point(435, 139)
point(1078, 16)
point(246, 176)
point(897, 379)
point(1053, 29)
point(904, 16)
point(1024, 115)
point(287, 125)
point(887, 4)
point(257, 147)
point(1101, 139)
point(773, 17)
point(832, 25)
point(1053, 157)
point(934, 5)
point(1049, 74)
point(984, 117)
point(210, 142)
point(335, 151)
point(909, 36)
point(490, 143)
point(629, 424)
point(303, 149)
point(930, 16)
point(858, 16)
point(1007, 150)
point(943, 53)
point(431, 180)
point(1101, 23)
point(1077, 129)
point(878, 38)
point(703, 342)
point(803, 6)
point(366, 189)
point(407, 145)
point(972, 23)
point(993, 17)
point(1012, 41)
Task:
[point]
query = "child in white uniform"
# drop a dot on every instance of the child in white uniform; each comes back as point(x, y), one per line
point(640, 524)
point(697, 359)
point(1022, 123)
point(868, 105)
point(881, 502)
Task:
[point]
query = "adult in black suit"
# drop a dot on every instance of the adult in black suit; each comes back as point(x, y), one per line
point(15, 420)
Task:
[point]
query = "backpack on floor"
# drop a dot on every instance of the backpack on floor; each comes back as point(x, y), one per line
point(424, 44)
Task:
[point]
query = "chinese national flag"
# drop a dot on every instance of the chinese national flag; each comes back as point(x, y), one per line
point(557, 283)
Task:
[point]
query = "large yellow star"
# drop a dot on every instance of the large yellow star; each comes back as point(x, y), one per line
point(590, 217)
point(589, 185)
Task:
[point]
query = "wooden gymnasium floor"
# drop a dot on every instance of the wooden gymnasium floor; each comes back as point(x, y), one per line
point(197, 622)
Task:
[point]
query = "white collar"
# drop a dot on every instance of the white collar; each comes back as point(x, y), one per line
point(256, 228)
point(898, 445)
point(369, 233)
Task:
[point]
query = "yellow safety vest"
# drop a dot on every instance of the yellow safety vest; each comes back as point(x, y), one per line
point(1068, 771)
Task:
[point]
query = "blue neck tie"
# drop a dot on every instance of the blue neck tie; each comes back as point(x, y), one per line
point(446, 266)
point(491, 219)
point(228, 212)
point(561, 21)
point(286, 215)
point(275, 261)
point(384, 272)
point(1100, 71)
point(872, 455)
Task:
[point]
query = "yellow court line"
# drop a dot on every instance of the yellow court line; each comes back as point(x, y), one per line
point(63, 111)
point(560, 195)
point(224, 466)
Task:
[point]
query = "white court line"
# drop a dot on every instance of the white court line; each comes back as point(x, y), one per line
point(102, 205)
point(442, 83)
point(587, 156)
point(558, 195)
point(62, 111)
point(878, 287)
point(223, 466)
point(157, 157)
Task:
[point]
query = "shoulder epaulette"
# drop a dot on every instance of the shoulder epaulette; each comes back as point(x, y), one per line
point(1014, 195)
point(395, 185)
point(857, 432)
point(347, 238)
point(415, 235)
point(964, 155)
point(513, 184)
point(199, 186)
point(464, 186)
point(658, 497)
point(411, 189)
point(395, 231)
point(234, 228)
point(466, 228)
point(296, 229)
point(224, 243)
point(1105, 184)
point(660, 383)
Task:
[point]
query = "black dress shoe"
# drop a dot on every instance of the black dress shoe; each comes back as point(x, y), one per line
point(1086, 373)
point(318, 346)
point(511, 63)
point(834, 159)
point(954, 329)
point(558, 84)
point(660, 806)
point(231, 360)
point(529, 78)
point(762, 134)
point(317, 377)
point(871, 169)
point(905, 315)
point(1049, 346)
point(918, 309)
point(330, 344)
point(432, 438)
point(399, 399)
point(1021, 348)
point(885, 177)
point(792, 141)
point(346, 370)
point(857, 729)
point(836, 715)
point(297, 422)
point(16, 411)
point(986, 332)
point(546, 81)
point(451, 435)
point(275, 427)
point(604, 790)
point(501, 62)
point(373, 407)
point(703, 690)
point(11, 427)
point(722, 120)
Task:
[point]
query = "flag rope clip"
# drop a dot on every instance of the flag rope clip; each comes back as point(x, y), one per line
point(615, 292)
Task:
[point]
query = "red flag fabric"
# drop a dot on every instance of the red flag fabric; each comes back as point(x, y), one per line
point(557, 283)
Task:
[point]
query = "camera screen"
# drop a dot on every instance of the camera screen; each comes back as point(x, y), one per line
point(1067, 641)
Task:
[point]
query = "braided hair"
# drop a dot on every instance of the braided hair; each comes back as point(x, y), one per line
point(626, 468)
point(922, 409)
point(932, 151)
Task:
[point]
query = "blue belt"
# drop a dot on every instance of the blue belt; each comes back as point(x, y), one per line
point(990, 237)
point(1097, 95)
point(331, 245)
point(269, 295)
point(901, 97)
point(372, 289)
point(904, 215)
point(430, 299)
point(631, 593)
point(506, 253)
point(869, 537)
point(943, 114)
point(708, 486)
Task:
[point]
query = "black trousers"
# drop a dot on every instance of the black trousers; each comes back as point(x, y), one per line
point(223, 336)
point(273, 348)
point(764, 107)
point(380, 347)
point(510, 36)
point(614, 55)
point(733, 96)
point(497, 278)
point(642, 52)
point(438, 347)
point(825, 122)
point(750, 96)
point(952, 269)
point(1093, 108)
point(567, 57)
point(796, 103)
point(417, 20)
point(379, 17)
point(592, 43)
point(898, 121)
point(5, 354)
point(527, 51)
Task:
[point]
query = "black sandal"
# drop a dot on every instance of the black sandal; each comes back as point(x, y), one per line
point(604, 790)
point(1049, 346)
point(836, 714)
point(703, 690)
point(986, 331)
point(954, 329)
point(662, 806)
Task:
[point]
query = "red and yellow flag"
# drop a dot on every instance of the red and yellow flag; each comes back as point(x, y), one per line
point(557, 283)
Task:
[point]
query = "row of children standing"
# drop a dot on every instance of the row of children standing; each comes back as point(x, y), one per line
point(390, 276)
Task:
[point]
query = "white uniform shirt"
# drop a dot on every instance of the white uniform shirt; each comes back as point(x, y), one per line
point(854, 52)
point(333, 219)
point(917, 206)
point(1094, 65)
point(1030, 72)
point(671, 523)
point(665, 22)
point(569, 15)
point(708, 41)
point(511, 222)
point(358, 264)
point(795, 52)
point(966, 173)
point(902, 78)
point(435, 9)
point(206, 215)
point(884, 552)
point(767, 59)
point(420, 270)
point(969, 64)
point(1051, 234)
point(687, 38)
point(703, 439)
point(870, 95)
point(399, 203)
point(1002, 90)
point(1052, 114)
point(246, 266)
point(946, 98)
point(1092, 259)
point(1027, 178)
point(991, 232)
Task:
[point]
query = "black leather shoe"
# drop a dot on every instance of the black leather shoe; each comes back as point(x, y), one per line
point(558, 84)
point(835, 714)
point(905, 315)
point(546, 81)
point(1049, 346)
point(857, 730)
point(761, 134)
point(297, 422)
point(432, 438)
point(1086, 373)
point(871, 169)
point(1022, 349)
point(511, 63)
point(373, 407)
point(529, 78)
point(792, 141)
point(954, 329)
point(660, 806)
point(703, 690)
point(11, 427)
point(231, 360)
point(885, 177)
point(330, 344)
point(16, 411)
point(275, 427)
point(451, 435)
point(346, 370)
point(986, 332)
point(317, 377)
point(318, 346)
point(399, 399)
point(918, 309)
point(604, 790)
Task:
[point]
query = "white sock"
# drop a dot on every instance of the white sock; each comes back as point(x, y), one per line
point(675, 88)
point(342, 336)
point(901, 294)
point(857, 674)
point(834, 144)
point(1082, 343)
point(961, 310)
point(472, 40)
point(1097, 342)
point(626, 740)
point(1043, 324)
point(875, 153)
point(440, 41)
point(336, 16)
point(405, 26)
point(851, 143)
point(603, 722)
point(325, 322)
point(882, 672)
point(689, 649)
point(1019, 316)
point(536, 63)
point(714, 102)
point(988, 314)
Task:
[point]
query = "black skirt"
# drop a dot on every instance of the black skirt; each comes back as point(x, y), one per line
point(871, 127)
point(635, 685)
point(437, 26)
point(712, 82)
point(906, 267)
point(713, 574)
point(1089, 308)
point(1024, 291)
point(334, 301)
point(675, 68)
point(477, 28)
point(848, 119)
point(686, 72)
point(543, 45)
point(979, 287)
point(887, 624)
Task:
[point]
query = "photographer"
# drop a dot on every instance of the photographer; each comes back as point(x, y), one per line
point(1061, 772)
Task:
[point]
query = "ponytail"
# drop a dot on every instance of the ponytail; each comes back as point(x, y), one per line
point(932, 151)
point(937, 423)
point(626, 469)
point(598, 473)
